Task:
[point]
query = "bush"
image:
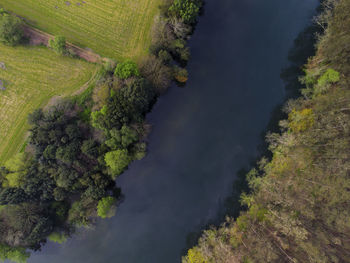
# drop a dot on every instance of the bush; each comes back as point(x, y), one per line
point(126, 70)
point(11, 32)
point(58, 44)
point(109, 65)
point(105, 207)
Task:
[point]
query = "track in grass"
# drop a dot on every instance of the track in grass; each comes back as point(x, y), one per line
point(32, 76)
point(117, 29)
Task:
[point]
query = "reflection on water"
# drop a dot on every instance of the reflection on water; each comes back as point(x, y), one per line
point(202, 135)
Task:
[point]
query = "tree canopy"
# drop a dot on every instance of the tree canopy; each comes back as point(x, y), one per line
point(297, 209)
point(127, 69)
point(11, 32)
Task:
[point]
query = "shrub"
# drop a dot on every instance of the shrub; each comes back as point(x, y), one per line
point(58, 44)
point(126, 70)
point(109, 65)
point(105, 207)
point(11, 32)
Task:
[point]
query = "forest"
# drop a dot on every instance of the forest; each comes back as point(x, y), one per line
point(64, 177)
point(297, 208)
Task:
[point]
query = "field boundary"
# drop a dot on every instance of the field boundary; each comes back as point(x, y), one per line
point(38, 37)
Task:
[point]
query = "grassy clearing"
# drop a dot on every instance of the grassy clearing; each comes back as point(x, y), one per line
point(112, 28)
point(32, 76)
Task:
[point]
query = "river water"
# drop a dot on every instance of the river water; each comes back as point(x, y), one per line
point(202, 135)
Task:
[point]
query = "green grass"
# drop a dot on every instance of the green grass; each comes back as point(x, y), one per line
point(117, 29)
point(32, 76)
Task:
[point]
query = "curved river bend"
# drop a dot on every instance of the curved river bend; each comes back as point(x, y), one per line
point(202, 135)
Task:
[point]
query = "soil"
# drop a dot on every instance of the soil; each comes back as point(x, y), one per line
point(37, 37)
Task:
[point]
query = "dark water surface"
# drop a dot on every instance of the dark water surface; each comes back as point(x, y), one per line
point(202, 135)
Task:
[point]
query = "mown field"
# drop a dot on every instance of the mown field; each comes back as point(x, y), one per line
point(117, 29)
point(32, 76)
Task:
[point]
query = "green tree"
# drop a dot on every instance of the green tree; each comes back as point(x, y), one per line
point(127, 69)
point(16, 254)
point(106, 207)
point(129, 136)
point(58, 44)
point(324, 82)
point(118, 160)
point(57, 237)
point(17, 170)
point(188, 10)
point(194, 255)
point(11, 32)
point(90, 148)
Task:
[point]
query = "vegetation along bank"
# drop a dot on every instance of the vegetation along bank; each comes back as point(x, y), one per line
point(297, 209)
point(64, 175)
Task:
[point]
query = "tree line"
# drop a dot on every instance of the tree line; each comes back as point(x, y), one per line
point(65, 176)
point(297, 209)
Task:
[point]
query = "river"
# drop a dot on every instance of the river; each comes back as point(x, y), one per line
point(202, 135)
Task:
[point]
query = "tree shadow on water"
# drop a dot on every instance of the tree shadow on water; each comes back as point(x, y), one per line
point(303, 48)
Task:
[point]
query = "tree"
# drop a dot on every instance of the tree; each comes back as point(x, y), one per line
point(105, 207)
point(126, 70)
point(188, 10)
point(128, 104)
point(301, 120)
point(158, 74)
point(12, 196)
point(194, 255)
point(36, 116)
point(16, 254)
point(129, 136)
point(90, 148)
point(16, 170)
point(324, 82)
point(180, 29)
point(118, 160)
point(57, 237)
point(138, 96)
point(180, 74)
point(11, 32)
point(58, 44)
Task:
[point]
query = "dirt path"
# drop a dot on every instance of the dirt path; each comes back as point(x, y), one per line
point(37, 37)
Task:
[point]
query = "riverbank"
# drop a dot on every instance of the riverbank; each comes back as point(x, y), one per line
point(298, 201)
point(64, 178)
point(183, 181)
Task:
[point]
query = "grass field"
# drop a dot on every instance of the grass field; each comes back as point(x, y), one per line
point(32, 76)
point(117, 29)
